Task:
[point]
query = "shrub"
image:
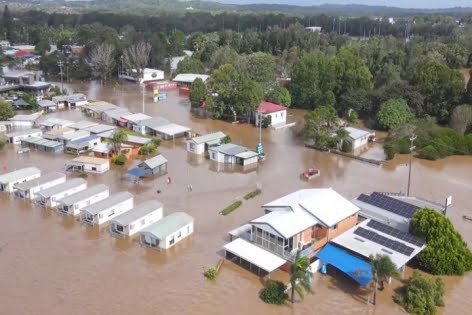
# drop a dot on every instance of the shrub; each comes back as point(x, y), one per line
point(252, 194)
point(429, 153)
point(347, 146)
point(421, 294)
point(266, 121)
point(235, 205)
point(2, 144)
point(274, 293)
point(119, 159)
point(393, 113)
point(156, 141)
point(148, 149)
point(446, 252)
point(211, 274)
point(390, 149)
point(225, 140)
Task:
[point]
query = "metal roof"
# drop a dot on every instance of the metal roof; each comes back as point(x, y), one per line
point(83, 124)
point(229, 149)
point(19, 174)
point(49, 177)
point(86, 139)
point(21, 103)
point(84, 194)
point(46, 103)
point(56, 133)
point(68, 185)
point(136, 117)
point(69, 98)
point(31, 117)
point(154, 122)
point(90, 160)
point(247, 155)
point(129, 138)
point(99, 128)
point(209, 137)
point(24, 133)
point(168, 225)
point(109, 202)
point(172, 129)
point(103, 148)
point(100, 107)
point(117, 113)
point(356, 133)
point(52, 121)
point(76, 135)
point(190, 77)
point(155, 161)
point(138, 212)
point(42, 142)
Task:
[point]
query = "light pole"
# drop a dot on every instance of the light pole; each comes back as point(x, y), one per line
point(144, 87)
point(412, 147)
point(60, 64)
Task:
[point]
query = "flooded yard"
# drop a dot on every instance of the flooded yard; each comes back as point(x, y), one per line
point(51, 264)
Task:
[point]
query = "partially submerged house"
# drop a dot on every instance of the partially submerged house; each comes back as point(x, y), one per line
point(83, 124)
point(201, 144)
point(134, 119)
point(74, 136)
point(148, 126)
point(72, 204)
point(54, 123)
point(138, 218)
point(25, 120)
point(28, 190)
point(232, 154)
point(113, 116)
point(83, 145)
point(88, 164)
point(107, 209)
point(277, 113)
point(56, 134)
point(70, 101)
point(42, 144)
point(168, 231)
point(359, 137)
point(17, 136)
point(132, 140)
point(186, 79)
point(21, 104)
point(96, 109)
point(171, 131)
point(99, 128)
point(155, 166)
point(9, 180)
point(47, 105)
point(304, 221)
point(49, 197)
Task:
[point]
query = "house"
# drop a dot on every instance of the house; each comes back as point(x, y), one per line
point(186, 79)
point(21, 104)
point(304, 221)
point(134, 141)
point(42, 144)
point(201, 144)
point(54, 123)
point(107, 209)
point(359, 137)
point(72, 204)
point(28, 48)
point(138, 218)
point(233, 154)
point(25, 120)
point(148, 126)
point(17, 136)
point(70, 101)
point(314, 29)
point(49, 197)
point(174, 61)
point(277, 113)
point(148, 75)
point(47, 105)
point(83, 145)
point(113, 116)
point(105, 150)
point(171, 131)
point(28, 190)
point(74, 136)
point(134, 119)
point(27, 81)
point(168, 231)
point(88, 164)
point(9, 180)
point(83, 124)
point(4, 44)
point(99, 128)
point(6, 126)
point(56, 134)
point(96, 109)
point(156, 165)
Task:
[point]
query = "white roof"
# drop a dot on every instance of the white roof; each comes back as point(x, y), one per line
point(51, 122)
point(24, 133)
point(172, 129)
point(117, 113)
point(76, 135)
point(356, 133)
point(366, 247)
point(209, 137)
point(102, 148)
point(90, 160)
point(84, 194)
point(255, 255)
point(83, 124)
point(246, 155)
point(100, 128)
point(19, 174)
point(136, 117)
point(285, 223)
point(190, 77)
point(68, 185)
point(47, 178)
point(111, 201)
point(31, 117)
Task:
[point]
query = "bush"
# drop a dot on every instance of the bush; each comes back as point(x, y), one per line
point(2, 144)
point(119, 159)
point(235, 205)
point(156, 141)
point(211, 274)
point(429, 153)
point(252, 194)
point(390, 149)
point(266, 121)
point(347, 146)
point(274, 293)
point(225, 140)
point(393, 113)
point(421, 294)
point(148, 149)
point(446, 252)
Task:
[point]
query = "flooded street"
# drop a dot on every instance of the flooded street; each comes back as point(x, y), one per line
point(50, 264)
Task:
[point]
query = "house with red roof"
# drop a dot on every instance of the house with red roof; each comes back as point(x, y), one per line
point(278, 113)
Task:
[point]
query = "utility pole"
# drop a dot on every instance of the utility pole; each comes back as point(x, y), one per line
point(144, 89)
point(60, 64)
point(412, 147)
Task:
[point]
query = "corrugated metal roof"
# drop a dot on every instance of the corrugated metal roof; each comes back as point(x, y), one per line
point(136, 117)
point(229, 149)
point(42, 142)
point(24, 133)
point(172, 129)
point(84, 194)
point(90, 160)
point(84, 124)
point(75, 135)
point(356, 133)
point(100, 128)
point(109, 202)
point(49, 177)
point(155, 161)
point(100, 107)
point(154, 122)
point(190, 77)
point(138, 212)
point(72, 183)
point(209, 137)
point(168, 225)
point(117, 113)
point(46, 103)
point(30, 118)
point(52, 121)
point(19, 174)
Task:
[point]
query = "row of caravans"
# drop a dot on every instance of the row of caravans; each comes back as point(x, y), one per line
point(96, 206)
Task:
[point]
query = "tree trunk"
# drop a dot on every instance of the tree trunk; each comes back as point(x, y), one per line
point(293, 294)
point(375, 293)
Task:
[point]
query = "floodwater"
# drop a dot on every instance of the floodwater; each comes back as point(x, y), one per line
point(50, 264)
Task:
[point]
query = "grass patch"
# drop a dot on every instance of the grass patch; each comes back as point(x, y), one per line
point(235, 205)
point(252, 194)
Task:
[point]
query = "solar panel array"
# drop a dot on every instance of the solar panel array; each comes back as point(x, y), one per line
point(384, 241)
point(395, 233)
point(390, 204)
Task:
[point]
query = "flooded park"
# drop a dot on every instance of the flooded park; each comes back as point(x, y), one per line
point(51, 264)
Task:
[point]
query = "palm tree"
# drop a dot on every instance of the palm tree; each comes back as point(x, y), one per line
point(342, 135)
point(118, 137)
point(300, 276)
point(382, 269)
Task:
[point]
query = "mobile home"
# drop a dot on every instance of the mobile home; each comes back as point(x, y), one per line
point(42, 145)
point(168, 231)
point(88, 164)
point(107, 209)
point(49, 197)
point(74, 136)
point(17, 136)
point(72, 204)
point(55, 123)
point(231, 153)
point(137, 219)
point(9, 180)
point(201, 144)
point(29, 189)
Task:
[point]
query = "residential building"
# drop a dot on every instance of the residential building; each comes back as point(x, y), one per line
point(113, 116)
point(314, 29)
point(42, 144)
point(70, 101)
point(99, 128)
point(148, 126)
point(56, 134)
point(107, 209)
point(359, 137)
point(96, 109)
point(9, 180)
point(28, 190)
point(54, 123)
point(134, 119)
point(83, 124)
point(74, 136)
point(21, 104)
point(155, 166)
point(49, 197)
point(171, 131)
point(168, 231)
point(201, 144)
point(83, 145)
point(17, 136)
point(88, 164)
point(277, 113)
point(72, 204)
point(231, 153)
point(25, 120)
point(140, 217)
point(131, 140)
point(47, 105)
point(186, 79)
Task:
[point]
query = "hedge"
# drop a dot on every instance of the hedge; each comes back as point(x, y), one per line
point(252, 194)
point(235, 205)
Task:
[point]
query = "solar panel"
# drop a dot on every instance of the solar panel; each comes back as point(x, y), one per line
point(384, 241)
point(390, 204)
point(395, 233)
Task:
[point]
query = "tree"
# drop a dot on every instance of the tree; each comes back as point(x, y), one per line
point(342, 135)
point(198, 93)
point(248, 97)
point(279, 95)
point(8, 24)
point(393, 113)
point(468, 93)
point(176, 43)
point(259, 67)
point(6, 110)
point(318, 123)
point(421, 294)
point(190, 65)
point(300, 276)
point(461, 118)
point(136, 57)
point(382, 269)
point(274, 293)
point(117, 139)
point(446, 253)
point(223, 56)
point(102, 60)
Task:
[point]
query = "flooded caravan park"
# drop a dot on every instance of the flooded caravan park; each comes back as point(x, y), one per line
point(50, 264)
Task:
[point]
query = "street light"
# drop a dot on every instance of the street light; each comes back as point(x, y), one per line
point(412, 147)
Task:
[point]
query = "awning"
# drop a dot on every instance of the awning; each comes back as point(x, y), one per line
point(354, 267)
point(122, 120)
point(255, 255)
point(138, 172)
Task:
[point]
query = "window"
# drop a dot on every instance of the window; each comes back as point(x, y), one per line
point(282, 114)
point(94, 169)
point(180, 234)
point(334, 227)
point(213, 155)
point(143, 221)
point(188, 229)
point(172, 241)
point(112, 212)
point(120, 228)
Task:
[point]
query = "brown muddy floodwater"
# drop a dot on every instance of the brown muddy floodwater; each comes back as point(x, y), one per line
point(53, 265)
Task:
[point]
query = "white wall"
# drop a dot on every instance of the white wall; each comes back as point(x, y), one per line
point(75, 208)
point(177, 236)
point(53, 200)
point(198, 148)
point(32, 192)
point(94, 168)
point(143, 222)
point(108, 214)
point(17, 140)
point(360, 142)
point(10, 186)
point(22, 123)
point(221, 158)
point(251, 160)
point(277, 117)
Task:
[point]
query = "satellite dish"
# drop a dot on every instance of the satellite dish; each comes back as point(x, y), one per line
point(154, 75)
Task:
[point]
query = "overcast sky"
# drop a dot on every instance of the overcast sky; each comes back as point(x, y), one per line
point(423, 4)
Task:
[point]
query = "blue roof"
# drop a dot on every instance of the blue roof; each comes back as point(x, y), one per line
point(356, 268)
point(138, 171)
point(86, 139)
